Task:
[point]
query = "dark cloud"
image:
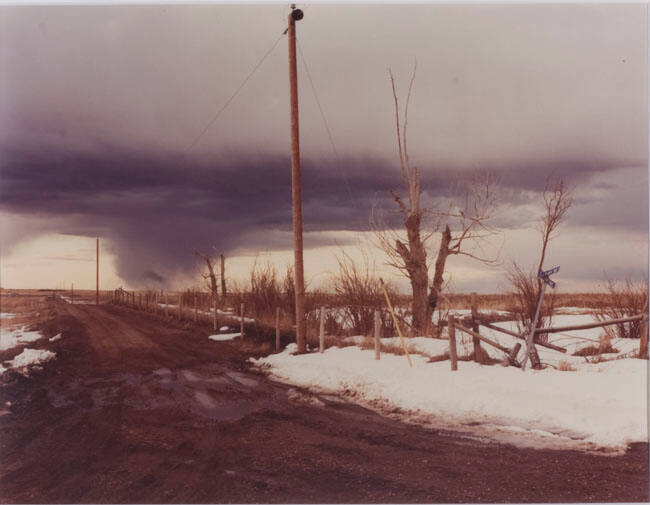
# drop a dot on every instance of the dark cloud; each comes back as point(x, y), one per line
point(100, 102)
point(156, 210)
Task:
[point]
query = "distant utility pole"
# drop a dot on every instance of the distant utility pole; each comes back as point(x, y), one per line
point(223, 276)
point(97, 276)
point(296, 15)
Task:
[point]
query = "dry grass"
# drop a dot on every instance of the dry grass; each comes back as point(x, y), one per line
point(564, 366)
point(25, 307)
point(624, 299)
point(20, 304)
point(595, 350)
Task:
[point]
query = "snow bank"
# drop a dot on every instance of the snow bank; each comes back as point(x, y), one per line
point(11, 337)
point(30, 357)
point(55, 337)
point(604, 406)
point(224, 336)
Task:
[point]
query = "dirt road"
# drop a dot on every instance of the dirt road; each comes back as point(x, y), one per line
point(136, 408)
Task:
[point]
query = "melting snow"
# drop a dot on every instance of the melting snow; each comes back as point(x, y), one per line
point(30, 357)
point(11, 337)
point(224, 336)
point(600, 404)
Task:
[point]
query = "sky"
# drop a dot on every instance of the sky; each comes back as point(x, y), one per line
point(103, 109)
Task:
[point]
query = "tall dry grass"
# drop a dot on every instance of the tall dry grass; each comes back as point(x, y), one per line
point(624, 299)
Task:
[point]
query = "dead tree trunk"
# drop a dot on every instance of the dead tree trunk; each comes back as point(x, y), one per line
point(210, 275)
point(415, 261)
point(436, 284)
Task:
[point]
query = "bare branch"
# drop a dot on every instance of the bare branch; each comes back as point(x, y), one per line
point(406, 114)
point(397, 128)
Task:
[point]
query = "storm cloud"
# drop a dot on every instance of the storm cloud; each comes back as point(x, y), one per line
point(99, 128)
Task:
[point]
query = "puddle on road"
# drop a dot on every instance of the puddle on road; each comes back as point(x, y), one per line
point(213, 392)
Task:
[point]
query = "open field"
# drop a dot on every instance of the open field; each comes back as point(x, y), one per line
point(136, 407)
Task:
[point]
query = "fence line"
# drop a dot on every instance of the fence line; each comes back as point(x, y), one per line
point(152, 302)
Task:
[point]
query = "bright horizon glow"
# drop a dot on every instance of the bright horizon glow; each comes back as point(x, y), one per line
point(71, 259)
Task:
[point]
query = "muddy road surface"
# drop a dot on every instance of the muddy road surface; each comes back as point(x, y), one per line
point(136, 408)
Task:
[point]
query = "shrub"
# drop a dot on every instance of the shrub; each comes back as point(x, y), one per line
point(524, 299)
point(625, 299)
point(359, 294)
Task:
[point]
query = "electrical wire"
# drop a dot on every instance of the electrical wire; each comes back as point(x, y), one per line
point(327, 128)
point(232, 97)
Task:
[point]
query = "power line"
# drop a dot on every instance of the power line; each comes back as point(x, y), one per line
point(232, 97)
point(327, 128)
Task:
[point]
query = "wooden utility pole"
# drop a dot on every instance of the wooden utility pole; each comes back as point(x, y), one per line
point(223, 275)
point(296, 15)
point(97, 276)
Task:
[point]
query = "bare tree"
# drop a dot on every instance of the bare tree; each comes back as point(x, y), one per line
point(211, 277)
point(461, 227)
point(526, 284)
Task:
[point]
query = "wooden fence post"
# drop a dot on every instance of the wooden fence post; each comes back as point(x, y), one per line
point(479, 353)
point(277, 329)
point(241, 322)
point(321, 334)
point(377, 334)
point(140, 301)
point(196, 311)
point(214, 314)
point(451, 323)
point(180, 306)
point(643, 349)
point(512, 357)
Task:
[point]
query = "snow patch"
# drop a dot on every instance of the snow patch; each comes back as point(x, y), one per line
point(600, 405)
point(11, 337)
point(224, 336)
point(56, 337)
point(30, 357)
